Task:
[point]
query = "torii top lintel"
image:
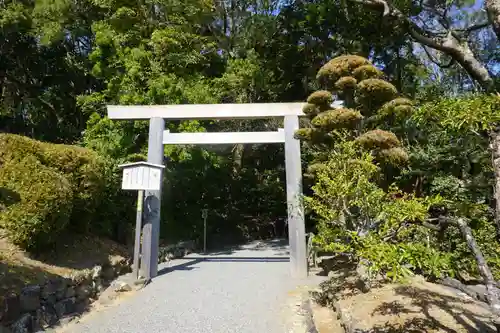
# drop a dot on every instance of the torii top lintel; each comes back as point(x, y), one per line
point(206, 111)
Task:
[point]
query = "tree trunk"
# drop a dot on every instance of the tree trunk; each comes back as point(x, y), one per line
point(462, 54)
point(492, 292)
point(237, 158)
point(495, 154)
point(493, 9)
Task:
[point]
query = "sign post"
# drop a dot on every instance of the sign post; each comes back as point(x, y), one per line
point(140, 176)
point(138, 226)
point(204, 215)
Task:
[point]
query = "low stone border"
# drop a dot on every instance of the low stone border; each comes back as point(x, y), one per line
point(57, 301)
point(345, 319)
point(176, 251)
point(309, 316)
point(42, 306)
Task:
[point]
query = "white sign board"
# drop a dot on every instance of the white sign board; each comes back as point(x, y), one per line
point(142, 176)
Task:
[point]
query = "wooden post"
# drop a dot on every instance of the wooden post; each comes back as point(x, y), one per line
point(138, 228)
point(152, 202)
point(296, 221)
point(204, 214)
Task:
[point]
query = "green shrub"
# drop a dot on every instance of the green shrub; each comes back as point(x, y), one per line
point(45, 205)
point(76, 176)
point(86, 173)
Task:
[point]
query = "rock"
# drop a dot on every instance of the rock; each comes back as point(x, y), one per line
point(49, 299)
point(11, 309)
point(47, 316)
point(365, 280)
point(82, 306)
point(23, 324)
point(96, 272)
point(61, 293)
point(123, 268)
point(54, 290)
point(108, 273)
point(70, 292)
point(345, 319)
point(123, 287)
point(98, 285)
point(480, 291)
point(66, 320)
point(84, 291)
point(327, 264)
point(30, 298)
point(65, 307)
point(46, 330)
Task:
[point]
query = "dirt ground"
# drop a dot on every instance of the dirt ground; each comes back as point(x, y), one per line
point(415, 306)
point(74, 255)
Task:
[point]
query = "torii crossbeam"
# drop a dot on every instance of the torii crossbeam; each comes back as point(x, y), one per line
point(158, 137)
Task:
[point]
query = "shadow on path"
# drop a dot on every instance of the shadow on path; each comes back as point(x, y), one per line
point(278, 244)
point(187, 266)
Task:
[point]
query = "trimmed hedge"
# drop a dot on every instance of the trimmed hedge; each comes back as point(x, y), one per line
point(60, 187)
point(45, 205)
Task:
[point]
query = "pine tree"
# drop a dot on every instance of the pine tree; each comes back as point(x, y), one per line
point(370, 103)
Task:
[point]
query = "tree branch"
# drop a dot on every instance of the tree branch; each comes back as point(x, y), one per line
point(435, 61)
point(450, 44)
point(475, 27)
point(492, 292)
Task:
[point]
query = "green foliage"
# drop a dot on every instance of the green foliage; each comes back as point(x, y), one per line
point(475, 113)
point(343, 184)
point(359, 208)
point(401, 260)
point(378, 139)
point(60, 188)
point(337, 119)
point(339, 67)
point(347, 203)
point(449, 157)
point(45, 204)
point(64, 61)
point(321, 98)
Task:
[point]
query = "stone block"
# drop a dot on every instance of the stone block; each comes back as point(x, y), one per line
point(23, 324)
point(84, 291)
point(65, 307)
point(11, 309)
point(70, 292)
point(47, 316)
point(30, 298)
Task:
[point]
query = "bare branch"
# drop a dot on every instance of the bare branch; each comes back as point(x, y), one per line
point(435, 61)
point(451, 44)
point(475, 27)
point(492, 292)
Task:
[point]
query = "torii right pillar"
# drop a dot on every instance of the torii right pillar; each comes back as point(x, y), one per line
point(295, 207)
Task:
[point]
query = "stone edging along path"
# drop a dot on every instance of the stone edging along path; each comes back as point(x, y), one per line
point(57, 301)
point(41, 306)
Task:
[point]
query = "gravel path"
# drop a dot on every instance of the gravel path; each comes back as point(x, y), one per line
point(244, 290)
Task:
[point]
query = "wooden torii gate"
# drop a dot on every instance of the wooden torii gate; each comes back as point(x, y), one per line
point(158, 137)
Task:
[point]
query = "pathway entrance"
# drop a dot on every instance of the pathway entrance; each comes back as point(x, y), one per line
point(244, 290)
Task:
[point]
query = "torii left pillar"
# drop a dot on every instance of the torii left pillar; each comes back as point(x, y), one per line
point(152, 204)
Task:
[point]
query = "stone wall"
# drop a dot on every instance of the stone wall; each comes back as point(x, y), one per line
point(38, 307)
point(176, 251)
